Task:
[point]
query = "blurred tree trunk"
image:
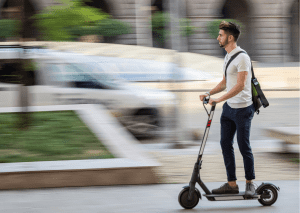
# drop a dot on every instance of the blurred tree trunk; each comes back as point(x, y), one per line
point(24, 118)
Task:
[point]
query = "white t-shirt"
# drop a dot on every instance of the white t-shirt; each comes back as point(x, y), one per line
point(241, 63)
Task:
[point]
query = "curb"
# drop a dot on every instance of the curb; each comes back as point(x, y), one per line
point(133, 165)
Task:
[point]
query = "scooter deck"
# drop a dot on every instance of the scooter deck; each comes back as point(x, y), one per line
point(239, 196)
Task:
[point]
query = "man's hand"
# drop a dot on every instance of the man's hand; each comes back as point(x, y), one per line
point(213, 100)
point(202, 97)
point(210, 99)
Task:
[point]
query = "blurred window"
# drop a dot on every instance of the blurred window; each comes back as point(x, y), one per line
point(103, 74)
point(56, 74)
point(77, 76)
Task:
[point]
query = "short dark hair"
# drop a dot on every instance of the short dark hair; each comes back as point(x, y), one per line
point(231, 29)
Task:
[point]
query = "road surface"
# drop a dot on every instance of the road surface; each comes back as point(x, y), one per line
point(137, 199)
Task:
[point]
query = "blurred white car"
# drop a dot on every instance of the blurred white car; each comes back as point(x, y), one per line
point(78, 80)
point(67, 78)
point(139, 109)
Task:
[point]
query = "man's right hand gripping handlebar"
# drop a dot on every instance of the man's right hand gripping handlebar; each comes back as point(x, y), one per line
point(205, 98)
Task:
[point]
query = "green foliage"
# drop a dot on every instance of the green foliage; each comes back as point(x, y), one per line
point(55, 23)
point(113, 27)
point(213, 26)
point(295, 160)
point(186, 28)
point(9, 28)
point(78, 31)
point(107, 27)
point(160, 21)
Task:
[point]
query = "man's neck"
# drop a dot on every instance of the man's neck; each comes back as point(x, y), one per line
point(230, 47)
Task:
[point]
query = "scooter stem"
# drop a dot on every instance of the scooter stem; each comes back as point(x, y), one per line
point(196, 174)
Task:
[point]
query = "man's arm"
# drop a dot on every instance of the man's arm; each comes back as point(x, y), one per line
point(220, 87)
point(241, 82)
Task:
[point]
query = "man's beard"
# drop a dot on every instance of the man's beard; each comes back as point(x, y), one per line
point(225, 43)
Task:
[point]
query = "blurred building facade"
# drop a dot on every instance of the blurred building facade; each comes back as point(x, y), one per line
point(271, 26)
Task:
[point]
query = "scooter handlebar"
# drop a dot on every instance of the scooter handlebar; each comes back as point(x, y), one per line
point(206, 101)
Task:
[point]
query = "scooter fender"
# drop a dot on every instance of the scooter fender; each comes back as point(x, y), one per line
point(258, 190)
point(197, 191)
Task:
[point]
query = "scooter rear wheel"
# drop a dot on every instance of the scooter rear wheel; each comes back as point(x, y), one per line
point(183, 199)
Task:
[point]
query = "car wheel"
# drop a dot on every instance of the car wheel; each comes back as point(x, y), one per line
point(144, 123)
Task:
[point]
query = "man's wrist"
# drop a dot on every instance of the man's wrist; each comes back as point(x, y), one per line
point(221, 99)
point(208, 93)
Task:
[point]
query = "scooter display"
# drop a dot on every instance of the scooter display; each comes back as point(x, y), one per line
point(188, 198)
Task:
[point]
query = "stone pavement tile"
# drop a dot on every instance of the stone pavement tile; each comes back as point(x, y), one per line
point(178, 168)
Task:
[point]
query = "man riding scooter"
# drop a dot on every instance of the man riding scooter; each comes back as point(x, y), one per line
point(238, 110)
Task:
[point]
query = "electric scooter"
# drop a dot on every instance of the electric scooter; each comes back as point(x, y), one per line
point(188, 198)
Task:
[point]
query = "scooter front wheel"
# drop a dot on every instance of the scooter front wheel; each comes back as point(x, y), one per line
point(183, 199)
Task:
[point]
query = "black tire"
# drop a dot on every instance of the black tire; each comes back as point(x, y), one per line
point(150, 112)
point(183, 199)
point(151, 117)
point(268, 201)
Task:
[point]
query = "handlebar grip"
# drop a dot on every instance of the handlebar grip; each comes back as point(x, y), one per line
point(206, 101)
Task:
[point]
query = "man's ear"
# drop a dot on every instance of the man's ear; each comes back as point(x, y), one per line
point(230, 38)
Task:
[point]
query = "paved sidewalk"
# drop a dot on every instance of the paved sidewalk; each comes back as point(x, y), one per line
point(154, 198)
point(268, 166)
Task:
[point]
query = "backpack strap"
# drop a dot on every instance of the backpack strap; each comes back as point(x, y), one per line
point(231, 59)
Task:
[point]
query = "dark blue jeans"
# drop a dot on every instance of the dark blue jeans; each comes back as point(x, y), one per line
point(237, 121)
